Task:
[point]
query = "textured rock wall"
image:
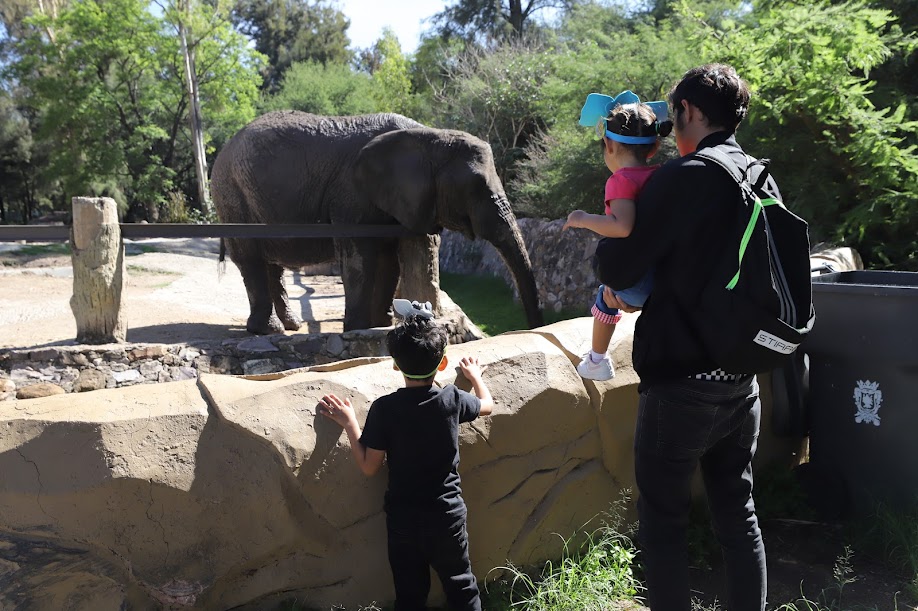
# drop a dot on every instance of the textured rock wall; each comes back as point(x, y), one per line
point(230, 492)
point(28, 374)
point(560, 261)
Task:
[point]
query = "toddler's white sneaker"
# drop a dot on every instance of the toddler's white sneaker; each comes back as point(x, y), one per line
point(600, 371)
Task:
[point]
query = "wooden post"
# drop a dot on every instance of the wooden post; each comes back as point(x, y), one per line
point(97, 253)
point(419, 261)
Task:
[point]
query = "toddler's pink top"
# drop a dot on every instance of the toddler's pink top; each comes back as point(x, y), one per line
point(627, 183)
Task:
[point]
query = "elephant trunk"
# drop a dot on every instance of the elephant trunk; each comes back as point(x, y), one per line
point(505, 235)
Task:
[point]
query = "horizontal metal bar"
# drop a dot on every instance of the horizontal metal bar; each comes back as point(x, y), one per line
point(50, 233)
point(34, 233)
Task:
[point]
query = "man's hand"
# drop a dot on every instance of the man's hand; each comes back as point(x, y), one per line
point(612, 300)
point(339, 410)
point(574, 219)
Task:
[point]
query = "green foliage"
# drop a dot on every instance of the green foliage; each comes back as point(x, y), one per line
point(488, 302)
point(892, 536)
point(110, 94)
point(497, 95)
point(325, 89)
point(602, 51)
point(845, 164)
point(288, 32)
point(392, 85)
point(593, 575)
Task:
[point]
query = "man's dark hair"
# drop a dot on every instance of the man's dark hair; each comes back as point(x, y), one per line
point(637, 120)
point(718, 92)
point(417, 344)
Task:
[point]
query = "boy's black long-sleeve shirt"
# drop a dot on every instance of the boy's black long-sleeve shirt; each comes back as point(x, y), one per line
point(685, 214)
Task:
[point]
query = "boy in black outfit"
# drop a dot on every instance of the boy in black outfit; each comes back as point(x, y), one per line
point(416, 429)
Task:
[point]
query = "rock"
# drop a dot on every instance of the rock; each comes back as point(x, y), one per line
point(258, 367)
point(7, 389)
point(334, 345)
point(47, 354)
point(75, 358)
point(147, 352)
point(24, 374)
point(150, 368)
point(126, 377)
point(182, 373)
point(90, 379)
point(42, 389)
point(257, 344)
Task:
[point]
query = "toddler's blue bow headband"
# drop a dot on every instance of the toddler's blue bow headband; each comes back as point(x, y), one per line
point(598, 107)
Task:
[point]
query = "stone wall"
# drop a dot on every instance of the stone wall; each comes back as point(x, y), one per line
point(233, 493)
point(561, 262)
point(31, 373)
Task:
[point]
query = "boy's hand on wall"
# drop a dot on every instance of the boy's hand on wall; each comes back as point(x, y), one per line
point(339, 410)
point(470, 368)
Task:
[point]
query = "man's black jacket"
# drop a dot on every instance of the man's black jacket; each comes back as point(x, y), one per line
point(685, 213)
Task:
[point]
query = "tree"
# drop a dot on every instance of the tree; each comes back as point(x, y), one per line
point(848, 165)
point(109, 91)
point(495, 19)
point(392, 85)
point(323, 89)
point(289, 31)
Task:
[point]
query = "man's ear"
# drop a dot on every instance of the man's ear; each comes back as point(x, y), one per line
point(443, 362)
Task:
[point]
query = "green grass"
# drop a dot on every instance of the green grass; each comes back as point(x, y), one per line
point(891, 535)
point(594, 575)
point(488, 302)
point(38, 250)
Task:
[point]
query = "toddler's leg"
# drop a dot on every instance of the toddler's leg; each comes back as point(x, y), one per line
point(596, 365)
point(450, 559)
point(602, 336)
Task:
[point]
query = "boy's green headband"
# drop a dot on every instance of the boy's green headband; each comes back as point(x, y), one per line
point(412, 376)
point(598, 107)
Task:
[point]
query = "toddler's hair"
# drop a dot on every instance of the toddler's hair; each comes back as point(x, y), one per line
point(417, 344)
point(718, 92)
point(637, 120)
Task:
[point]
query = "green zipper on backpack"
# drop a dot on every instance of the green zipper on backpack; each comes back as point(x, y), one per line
point(747, 235)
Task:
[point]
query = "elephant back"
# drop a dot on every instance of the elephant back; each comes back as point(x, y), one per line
point(295, 167)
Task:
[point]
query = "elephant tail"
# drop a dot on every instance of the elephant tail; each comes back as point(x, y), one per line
point(221, 266)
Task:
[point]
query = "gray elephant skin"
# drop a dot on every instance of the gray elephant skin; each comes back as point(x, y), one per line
point(295, 167)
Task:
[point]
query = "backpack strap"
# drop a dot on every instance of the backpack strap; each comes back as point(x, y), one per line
point(722, 159)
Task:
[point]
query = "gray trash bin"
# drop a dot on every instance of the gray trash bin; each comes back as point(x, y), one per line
point(863, 389)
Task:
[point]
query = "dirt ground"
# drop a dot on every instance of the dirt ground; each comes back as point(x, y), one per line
point(174, 293)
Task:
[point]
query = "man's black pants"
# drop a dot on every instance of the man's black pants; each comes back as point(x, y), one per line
point(680, 425)
point(412, 551)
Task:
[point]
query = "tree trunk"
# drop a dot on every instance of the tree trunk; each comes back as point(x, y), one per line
point(97, 253)
point(419, 261)
point(194, 115)
point(516, 16)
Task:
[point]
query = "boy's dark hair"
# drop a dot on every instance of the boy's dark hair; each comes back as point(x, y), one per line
point(417, 344)
point(718, 92)
point(637, 120)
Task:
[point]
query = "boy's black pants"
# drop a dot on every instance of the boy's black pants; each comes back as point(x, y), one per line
point(413, 550)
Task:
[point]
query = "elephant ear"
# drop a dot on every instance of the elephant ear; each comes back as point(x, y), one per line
point(395, 172)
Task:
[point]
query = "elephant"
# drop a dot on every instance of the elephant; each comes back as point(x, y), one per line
point(296, 167)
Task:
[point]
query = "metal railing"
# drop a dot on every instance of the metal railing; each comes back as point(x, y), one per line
point(61, 233)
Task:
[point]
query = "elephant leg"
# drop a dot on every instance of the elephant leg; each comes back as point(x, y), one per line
point(359, 269)
point(387, 272)
point(262, 320)
point(420, 269)
point(290, 319)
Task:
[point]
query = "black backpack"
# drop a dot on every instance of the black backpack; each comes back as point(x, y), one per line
point(758, 305)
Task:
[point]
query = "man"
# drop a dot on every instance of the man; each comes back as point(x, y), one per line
point(690, 412)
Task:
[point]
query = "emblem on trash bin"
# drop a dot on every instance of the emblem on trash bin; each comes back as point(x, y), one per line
point(868, 397)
